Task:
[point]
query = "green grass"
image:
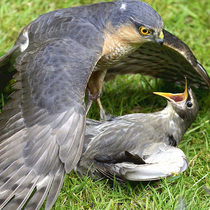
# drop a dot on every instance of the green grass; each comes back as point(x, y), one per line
point(190, 21)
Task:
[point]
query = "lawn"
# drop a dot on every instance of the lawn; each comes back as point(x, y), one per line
point(190, 21)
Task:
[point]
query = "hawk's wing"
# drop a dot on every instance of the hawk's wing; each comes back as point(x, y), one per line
point(172, 61)
point(42, 126)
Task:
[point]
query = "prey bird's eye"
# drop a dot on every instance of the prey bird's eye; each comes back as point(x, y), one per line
point(189, 104)
point(144, 31)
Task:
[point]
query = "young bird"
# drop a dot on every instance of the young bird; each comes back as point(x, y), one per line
point(140, 147)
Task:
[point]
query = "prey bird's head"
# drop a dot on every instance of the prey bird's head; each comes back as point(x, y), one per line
point(137, 22)
point(184, 104)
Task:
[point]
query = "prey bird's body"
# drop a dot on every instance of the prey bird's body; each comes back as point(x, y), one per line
point(139, 147)
point(55, 59)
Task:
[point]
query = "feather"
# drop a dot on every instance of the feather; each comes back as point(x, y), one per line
point(41, 192)
point(172, 61)
point(55, 188)
point(45, 118)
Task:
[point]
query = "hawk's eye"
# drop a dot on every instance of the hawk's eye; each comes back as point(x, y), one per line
point(144, 31)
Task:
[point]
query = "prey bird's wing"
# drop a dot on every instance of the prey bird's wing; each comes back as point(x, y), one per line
point(172, 61)
point(163, 161)
point(42, 126)
point(128, 150)
point(108, 143)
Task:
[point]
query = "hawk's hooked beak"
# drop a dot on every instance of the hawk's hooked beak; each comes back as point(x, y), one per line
point(160, 38)
point(175, 97)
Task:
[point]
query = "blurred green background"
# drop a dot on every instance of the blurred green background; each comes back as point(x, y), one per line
point(190, 21)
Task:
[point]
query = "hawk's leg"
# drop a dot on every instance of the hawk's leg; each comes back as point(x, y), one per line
point(94, 89)
point(103, 114)
point(91, 98)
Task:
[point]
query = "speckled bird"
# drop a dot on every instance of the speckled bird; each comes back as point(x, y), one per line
point(140, 146)
point(56, 58)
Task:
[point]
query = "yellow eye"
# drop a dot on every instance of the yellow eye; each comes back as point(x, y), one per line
point(144, 31)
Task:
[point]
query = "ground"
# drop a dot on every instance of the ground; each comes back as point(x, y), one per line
point(190, 21)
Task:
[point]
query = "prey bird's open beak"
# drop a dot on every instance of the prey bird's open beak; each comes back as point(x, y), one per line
point(175, 97)
point(160, 38)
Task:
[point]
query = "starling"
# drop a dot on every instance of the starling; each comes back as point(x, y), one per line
point(139, 147)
